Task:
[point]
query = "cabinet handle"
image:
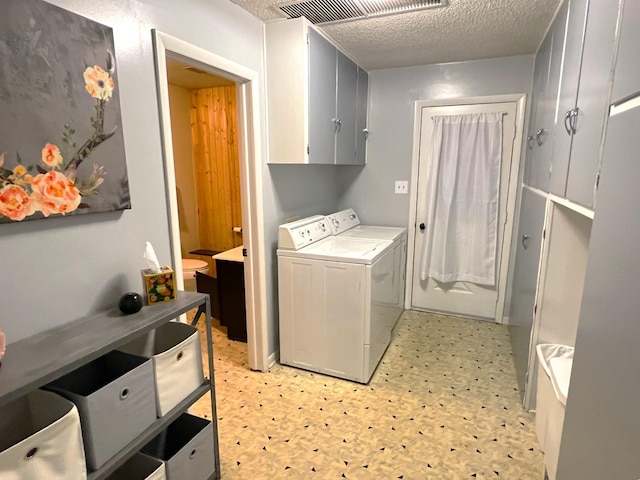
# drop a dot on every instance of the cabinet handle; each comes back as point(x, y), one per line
point(336, 124)
point(529, 139)
point(567, 121)
point(365, 131)
point(571, 121)
point(539, 134)
point(525, 239)
point(574, 120)
point(422, 226)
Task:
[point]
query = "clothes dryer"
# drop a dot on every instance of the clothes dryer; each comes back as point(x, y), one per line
point(346, 224)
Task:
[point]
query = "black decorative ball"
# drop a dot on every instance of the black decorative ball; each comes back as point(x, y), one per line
point(130, 302)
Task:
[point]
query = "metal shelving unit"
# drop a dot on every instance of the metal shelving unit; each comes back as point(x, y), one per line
point(35, 361)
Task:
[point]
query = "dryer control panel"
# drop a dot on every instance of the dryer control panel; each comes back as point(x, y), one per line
point(298, 234)
point(342, 221)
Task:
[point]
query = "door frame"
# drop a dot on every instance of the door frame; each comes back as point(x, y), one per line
point(514, 180)
point(250, 153)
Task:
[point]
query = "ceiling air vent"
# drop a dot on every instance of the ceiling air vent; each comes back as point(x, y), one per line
point(321, 12)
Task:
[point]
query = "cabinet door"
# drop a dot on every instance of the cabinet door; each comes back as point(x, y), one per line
point(593, 102)
point(626, 82)
point(322, 99)
point(525, 278)
point(600, 433)
point(362, 101)
point(568, 95)
point(346, 110)
point(540, 75)
point(551, 48)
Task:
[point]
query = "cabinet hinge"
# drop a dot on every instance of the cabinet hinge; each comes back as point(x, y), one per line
point(597, 180)
point(544, 233)
point(535, 309)
point(307, 149)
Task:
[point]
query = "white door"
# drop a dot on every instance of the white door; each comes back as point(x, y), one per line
point(461, 298)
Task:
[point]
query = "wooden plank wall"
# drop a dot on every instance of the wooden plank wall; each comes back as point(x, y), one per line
point(214, 127)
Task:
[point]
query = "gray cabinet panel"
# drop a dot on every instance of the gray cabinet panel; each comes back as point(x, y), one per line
point(600, 434)
point(544, 127)
point(536, 173)
point(322, 99)
point(346, 110)
point(626, 82)
point(361, 116)
point(568, 94)
point(529, 244)
point(593, 102)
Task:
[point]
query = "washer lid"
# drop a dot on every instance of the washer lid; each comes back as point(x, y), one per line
point(374, 232)
point(342, 249)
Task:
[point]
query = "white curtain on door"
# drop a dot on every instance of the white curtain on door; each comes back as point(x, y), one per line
point(463, 201)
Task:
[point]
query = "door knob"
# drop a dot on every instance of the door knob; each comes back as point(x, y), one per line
point(422, 226)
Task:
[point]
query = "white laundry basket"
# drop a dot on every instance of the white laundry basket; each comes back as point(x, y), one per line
point(40, 438)
point(554, 372)
point(177, 362)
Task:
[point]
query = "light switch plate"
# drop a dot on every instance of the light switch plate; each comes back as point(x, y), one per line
point(402, 186)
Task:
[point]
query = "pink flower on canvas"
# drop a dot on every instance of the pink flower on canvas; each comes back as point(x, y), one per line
point(54, 193)
point(51, 155)
point(98, 82)
point(15, 203)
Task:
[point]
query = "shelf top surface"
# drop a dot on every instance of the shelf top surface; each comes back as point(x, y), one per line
point(41, 358)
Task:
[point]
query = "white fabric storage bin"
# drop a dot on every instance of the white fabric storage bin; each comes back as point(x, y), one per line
point(40, 438)
point(177, 361)
point(186, 447)
point(554, 373)
point(115, 397)
point(140, 467)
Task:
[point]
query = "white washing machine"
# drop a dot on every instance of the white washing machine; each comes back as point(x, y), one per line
point(347, 224)
point(327, 289)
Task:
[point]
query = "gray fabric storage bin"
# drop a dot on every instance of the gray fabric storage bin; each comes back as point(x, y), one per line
point(140, 467)
point(40, 438)
point(115, 396)
point(177, 361)
point(186, 447)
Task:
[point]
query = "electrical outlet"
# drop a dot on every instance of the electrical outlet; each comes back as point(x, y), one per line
point(402, 186)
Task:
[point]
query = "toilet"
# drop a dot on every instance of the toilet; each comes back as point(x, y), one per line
point(189, 268)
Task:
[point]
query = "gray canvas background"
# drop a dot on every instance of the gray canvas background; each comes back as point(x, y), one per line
point(44, 51)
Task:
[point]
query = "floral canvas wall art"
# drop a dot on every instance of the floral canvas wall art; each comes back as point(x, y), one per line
point(61, 140)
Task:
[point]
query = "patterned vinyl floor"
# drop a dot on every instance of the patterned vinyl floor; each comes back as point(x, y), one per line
point(443, 404)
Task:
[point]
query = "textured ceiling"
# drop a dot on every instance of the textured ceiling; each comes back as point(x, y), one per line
point(464, 30)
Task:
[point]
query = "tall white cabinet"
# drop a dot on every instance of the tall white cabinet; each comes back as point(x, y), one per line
point(561, 204)
point(316, 98)
point(600, 434)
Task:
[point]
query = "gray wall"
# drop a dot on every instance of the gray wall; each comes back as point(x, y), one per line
point(54, 271)
point(392, 96)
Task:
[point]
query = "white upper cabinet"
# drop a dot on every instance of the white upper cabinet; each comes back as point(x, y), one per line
point(565, 140)
point(593, 103)
point(362, 132)
point(313, 97)
point(568, 94)
point(583, 100)
point(548, 69)
point(323, 122)
point(626, 82)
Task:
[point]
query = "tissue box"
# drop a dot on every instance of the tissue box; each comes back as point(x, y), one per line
point(159, 287)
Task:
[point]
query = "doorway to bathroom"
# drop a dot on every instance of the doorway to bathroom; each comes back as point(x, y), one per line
point(212, 201)
point(204, 131)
